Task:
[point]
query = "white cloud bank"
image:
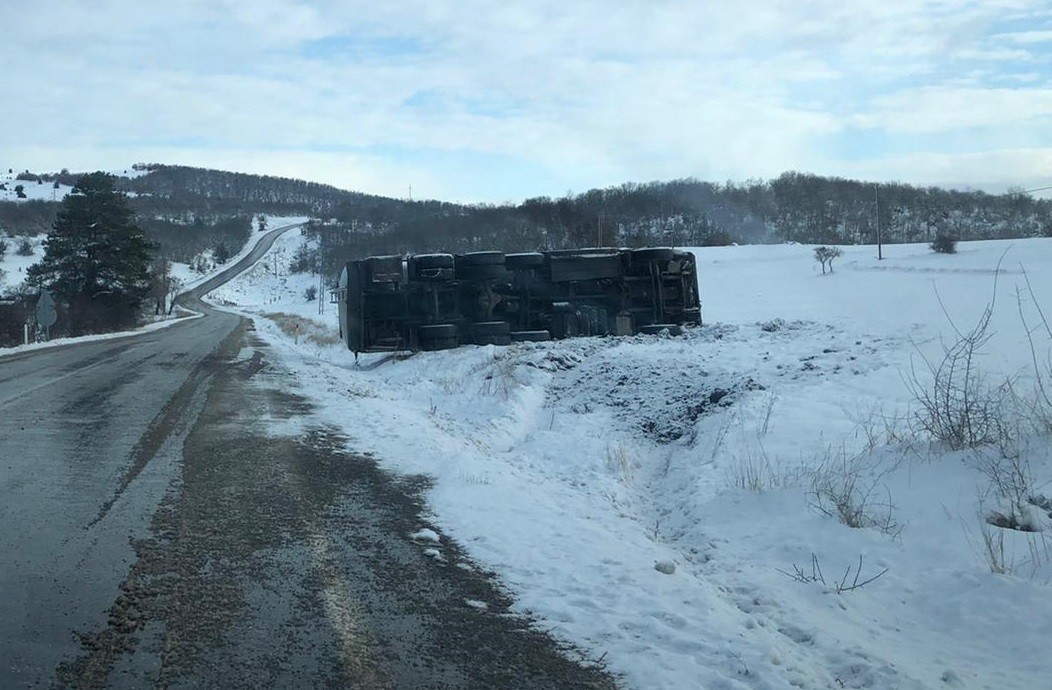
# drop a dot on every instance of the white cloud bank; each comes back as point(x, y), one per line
point(479, 100)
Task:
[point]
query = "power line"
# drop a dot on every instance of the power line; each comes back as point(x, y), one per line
point(1039, 189)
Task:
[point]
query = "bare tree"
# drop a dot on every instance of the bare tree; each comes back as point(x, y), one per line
point(160, 284)
point(825, 255)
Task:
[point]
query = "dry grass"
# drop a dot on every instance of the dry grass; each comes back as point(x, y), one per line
point(299, 328)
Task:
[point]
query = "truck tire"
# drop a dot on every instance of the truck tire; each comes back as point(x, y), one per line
point(439, 344)
point(491, 333)
point(655, 328)
point(585, 267)
point(433, 260)
point(490, 328)
point(431, 268)
point(481, 272)
point(530, 336)
point(436, 331)
point(481, 259)
point(525, 260)
point(502, 340)
point(653, 254)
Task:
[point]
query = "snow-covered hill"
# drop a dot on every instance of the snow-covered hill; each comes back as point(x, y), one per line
point(676, 506)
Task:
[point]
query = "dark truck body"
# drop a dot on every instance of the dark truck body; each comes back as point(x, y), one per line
point(438, 301)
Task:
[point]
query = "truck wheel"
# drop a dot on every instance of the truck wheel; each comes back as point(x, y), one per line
point(655, 328)
point(481, 272)
point(653, 254)
point(530, 336)
point(517, 262)
point(493, 339)
point(490, 328)
point(433, 260)
point(439, 344)
point(481, 259)
point(441, 336)
point(436, 331)
point(430, 268)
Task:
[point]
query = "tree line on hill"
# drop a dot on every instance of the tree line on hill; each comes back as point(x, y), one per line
point(794, 207)
point(187, 210)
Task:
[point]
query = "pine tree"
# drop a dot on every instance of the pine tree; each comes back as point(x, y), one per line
point(96, 259)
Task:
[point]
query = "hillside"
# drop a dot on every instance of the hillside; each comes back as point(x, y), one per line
point(795, 207)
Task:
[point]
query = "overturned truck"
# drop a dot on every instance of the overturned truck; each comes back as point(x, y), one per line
point(439, 301)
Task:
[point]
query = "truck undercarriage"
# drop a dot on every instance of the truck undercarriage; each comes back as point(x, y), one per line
point(439, 301)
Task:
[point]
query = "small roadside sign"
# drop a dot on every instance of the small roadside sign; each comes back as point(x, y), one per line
point(46, 314)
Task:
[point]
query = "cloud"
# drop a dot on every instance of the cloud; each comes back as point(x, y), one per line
point(557, 94)
point(945, 108)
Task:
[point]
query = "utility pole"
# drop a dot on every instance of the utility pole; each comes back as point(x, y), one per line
point(876, 205)
point(321, 273)
point(599, 235)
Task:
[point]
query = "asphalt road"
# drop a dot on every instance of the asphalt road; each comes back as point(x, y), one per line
point(156, 531)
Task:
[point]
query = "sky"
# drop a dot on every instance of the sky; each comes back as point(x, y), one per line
point(491, 101)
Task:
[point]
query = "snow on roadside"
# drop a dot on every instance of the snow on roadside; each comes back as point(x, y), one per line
point(603, 478)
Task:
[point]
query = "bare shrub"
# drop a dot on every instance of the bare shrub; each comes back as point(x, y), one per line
point(824, 255)
point(1039, 413)
point(944, 244)
point(992, 541)
point(852, 490)
point(1008, 551)
point(1019, 503)
point(877, 427)
point(959, 405)
point(851, 580)
point(500, 380)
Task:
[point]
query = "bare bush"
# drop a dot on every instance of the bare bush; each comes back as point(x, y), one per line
point(852, 490)
point(992, 541)
point(959, 406)
point(944, 244)
point(851, 580)
point(824, 255)
point(500, 379)
point(1006, 465)
point(1040, 412)
point(877, 427)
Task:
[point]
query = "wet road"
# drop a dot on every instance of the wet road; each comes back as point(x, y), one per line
point(155, 532)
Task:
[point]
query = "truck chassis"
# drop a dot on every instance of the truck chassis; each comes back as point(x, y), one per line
point(440, 301)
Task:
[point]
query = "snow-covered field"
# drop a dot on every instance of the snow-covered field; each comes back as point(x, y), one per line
point(668, 504)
